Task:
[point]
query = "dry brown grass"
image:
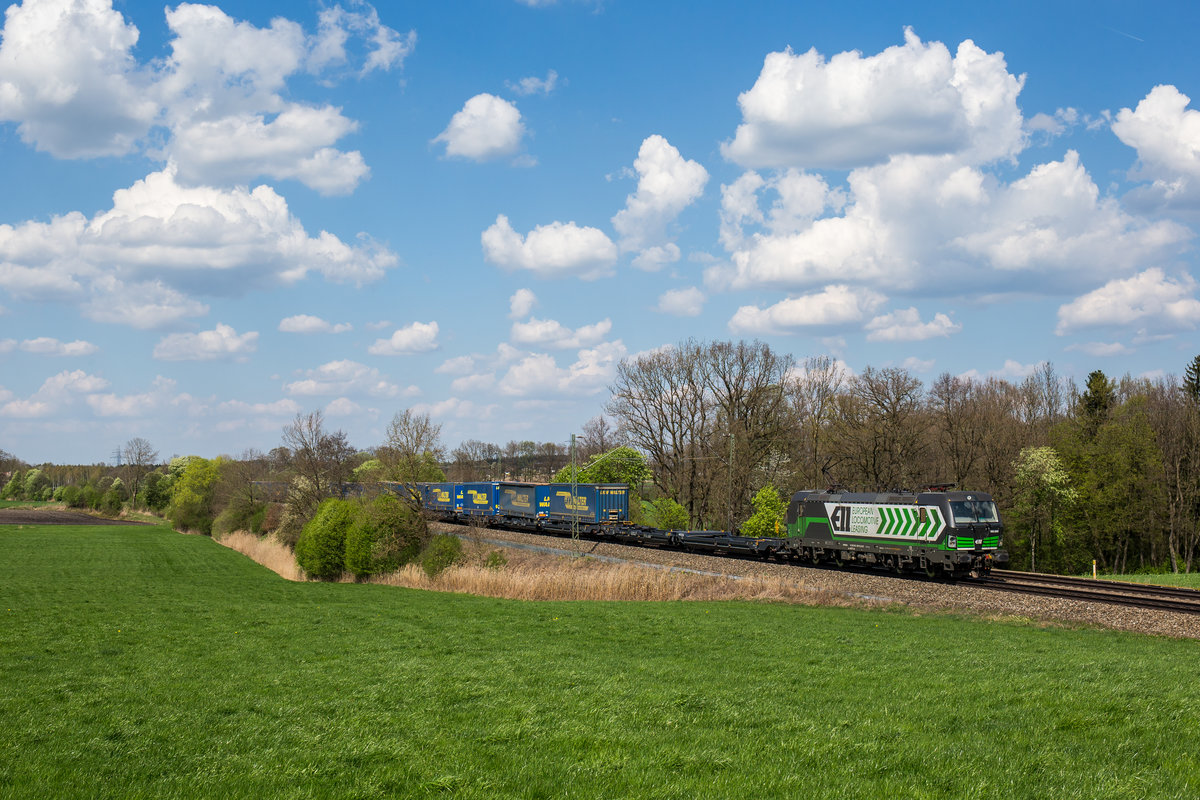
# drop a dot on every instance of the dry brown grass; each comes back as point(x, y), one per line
point(272, 554)
point(532, 576)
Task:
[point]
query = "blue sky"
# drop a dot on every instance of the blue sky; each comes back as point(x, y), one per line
point(217, 217)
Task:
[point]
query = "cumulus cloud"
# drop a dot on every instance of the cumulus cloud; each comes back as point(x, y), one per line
point(1149, 299)
point(687, 302)
point(455, 407)
point(521, 303)
point(552, 250)
point(539, 373)
point(419, 337)
point(807, 112)
point(304, 323)
point(343, 407)
point(551, 333)
point(46, 346)
point(1166, 135)
point(905, 326)
point(921, 221)
point(836, 305)
point(534, 84)
point(1101, 349)
point(345, 377)
point(69, 79)
point(487, 127)
point(667, 184)
point(161, 239)
point(221, 342)
point(56, 392)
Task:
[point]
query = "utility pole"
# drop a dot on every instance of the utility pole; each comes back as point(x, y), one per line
point(117, 456)
point(574, 494)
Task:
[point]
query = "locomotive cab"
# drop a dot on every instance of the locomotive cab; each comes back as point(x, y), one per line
point(975, 528)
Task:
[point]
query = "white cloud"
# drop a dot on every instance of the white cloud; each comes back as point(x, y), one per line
point(140, 304)
point(1150, 299)
point(160, 237)
point(277, 408)
point(69, 79)
point(488, 127)
point(806, 112)
point(667, 184)
point(1102, 349)
point(918, 365)
point(539, 374)
point(343, 407)
point(304, 323)
point(534, 84)
point(455, 407)
point(55, 393)
point(46, 346)
point(521, 303)
point(836, 305)
point(346, 377)
point(388, 47)
point(457, 365)
point(419, 337)
point(473, 383)
point(652, 259)
point(161, 395)
point(918, 221)
point(7, 345)
point(905, 326)
point(550, 250)
point(551, 333)
point(1166, 135)
point(687, 302)
point(221, 342)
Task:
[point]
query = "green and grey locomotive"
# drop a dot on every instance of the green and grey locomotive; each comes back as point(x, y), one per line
point(939, 533)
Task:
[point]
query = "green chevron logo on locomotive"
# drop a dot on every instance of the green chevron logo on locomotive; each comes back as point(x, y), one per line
point(909, 522)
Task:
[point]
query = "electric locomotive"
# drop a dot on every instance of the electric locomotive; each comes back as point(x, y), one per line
point(948, 533)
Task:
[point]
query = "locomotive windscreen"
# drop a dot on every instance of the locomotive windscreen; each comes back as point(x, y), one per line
point(973, 511)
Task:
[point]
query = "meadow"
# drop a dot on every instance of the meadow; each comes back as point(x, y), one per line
point(1190, 580)
point(138, 662)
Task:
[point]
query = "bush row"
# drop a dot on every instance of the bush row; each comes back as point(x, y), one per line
point(366, 538)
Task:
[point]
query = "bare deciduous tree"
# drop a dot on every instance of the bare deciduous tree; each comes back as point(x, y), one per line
point(321, 459)
point(140, 457)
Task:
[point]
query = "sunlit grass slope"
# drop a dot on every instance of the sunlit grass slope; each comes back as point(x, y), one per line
point(139, 662)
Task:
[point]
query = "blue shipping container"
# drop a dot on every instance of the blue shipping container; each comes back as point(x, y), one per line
point(517, 500)
point(590, 502)
point(476, 499)
point(438, 496)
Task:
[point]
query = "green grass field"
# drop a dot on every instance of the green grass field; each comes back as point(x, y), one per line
point(1188, 579)
point(26, 503)
point(137, 662)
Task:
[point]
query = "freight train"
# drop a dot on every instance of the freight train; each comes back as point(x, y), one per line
point(939, 533)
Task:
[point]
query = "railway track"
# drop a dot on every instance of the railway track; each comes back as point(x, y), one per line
point(1161, 598)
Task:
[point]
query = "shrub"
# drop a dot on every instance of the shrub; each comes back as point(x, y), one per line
point(240, 516)
point(57, 496)
point(665, 514)
point(70, 496)
point(321, 548)
point(88, 497)
point(191, 506)
point(441, 552)
point(156, 491)
point(767, 520)
point(35, 482)
point(387, 534)
point(110, 503)
point(496, 560)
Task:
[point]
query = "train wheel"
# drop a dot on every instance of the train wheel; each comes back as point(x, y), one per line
point(931, 571)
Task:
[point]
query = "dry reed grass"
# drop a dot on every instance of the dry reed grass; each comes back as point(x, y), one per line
point(532, 576)
point(272, 554)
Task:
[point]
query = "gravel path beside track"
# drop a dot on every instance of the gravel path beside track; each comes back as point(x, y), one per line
point(915, 593)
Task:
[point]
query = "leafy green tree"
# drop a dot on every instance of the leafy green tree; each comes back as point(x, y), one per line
point(156, 491)
point(1043, 495)
point(321, 548)
point(191, 506)
point(769, 508)
point(34, 483)
point(619, 465)
point(664, 514)
point(14, 487)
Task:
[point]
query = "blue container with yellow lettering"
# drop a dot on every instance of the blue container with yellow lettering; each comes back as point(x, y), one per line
point(517, 500)
point(476, 499)
point(586, 502)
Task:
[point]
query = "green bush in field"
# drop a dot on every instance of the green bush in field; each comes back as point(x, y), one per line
point(88, 498)
point(70, 496)
point(386, 535)
point(35, 483)
point(156, 491)
point(110, 503)
point(58, 494)
point(321, 548)
point(191, 506)
point(496, 560)
point(441, 552)
point(240, 516)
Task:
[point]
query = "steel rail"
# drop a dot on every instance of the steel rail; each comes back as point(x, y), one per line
point(1156, 598)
